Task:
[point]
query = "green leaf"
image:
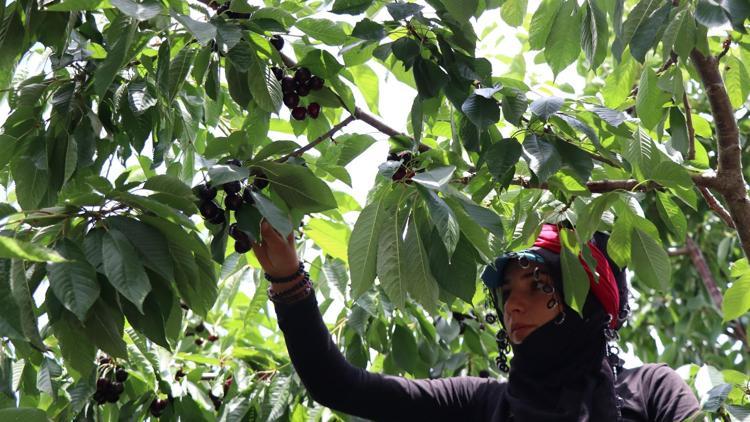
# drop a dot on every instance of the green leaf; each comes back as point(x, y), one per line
point(435, 179)
point(710, 13)
point(362, 252)
point(23, 414)
point(351, 146)
point(461, 10)
point(13, 248)
point(139, 11)
point(149, 243)
point(278, 218)
point(225, 173)
point(678, 130)
point(204, 32)
point(645, 36)
point(672, 216)
point(575, 279)
point(563, 46)
point(76, 349)
point(264, 86)
point(514, 105)
point(736, 80)
point(104, 327)
point(79, 5)
point(542, 157)
point(298, 187)
point(404, 347)
point(179, 68)
point(369, 85)
point(422, 285)
point(502, 156)
point(321, 63)
point(19, 288)
point(443, 218)
point(73, 282)
point(649, 99)
point(456, 274)
point(123, 268)
point(31, 174)
point(324, 30)
point(430, 78)
point(169, 184)
point(636, 19)
point(350, 7)
point(147, 204)
point(649, 261)
point(139, 98)
point(482, 111)
point(10, 322)
point(333, 238)
point(513, 12)
point(369, 30)
point(541, 23)
point(640, 152)
point(546, 106)
point(737, 297)
point(400, 11)
point(472, 231)
point(117, 56)
point(390, 260)
point(594, 34)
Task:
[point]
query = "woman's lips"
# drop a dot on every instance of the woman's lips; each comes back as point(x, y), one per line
point(517, 327)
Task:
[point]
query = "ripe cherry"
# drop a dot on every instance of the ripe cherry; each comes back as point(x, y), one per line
point(302, 75)
point(233, 202)
point(316, 83)
point(247, 195)
point(232, 187)
point(121, 375)
point(277, 42)
point(206, 192)
point(220, 218)
point(278, 73)
point(303, 90)
point(299, 113)
point(209, 209)
point(291, 100)
point(288, 85)
point(242, 246)
point(313, 109)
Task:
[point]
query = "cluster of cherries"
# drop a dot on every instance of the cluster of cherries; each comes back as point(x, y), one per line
point(200, 328)
point(297, 86)
point(234, 200)
point(107, 388)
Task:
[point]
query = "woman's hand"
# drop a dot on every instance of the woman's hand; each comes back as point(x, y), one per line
point(276, 255)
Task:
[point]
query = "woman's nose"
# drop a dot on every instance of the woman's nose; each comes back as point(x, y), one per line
point(516, 303)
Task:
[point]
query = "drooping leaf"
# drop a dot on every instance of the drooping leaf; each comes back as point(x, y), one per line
point(649, 261)
point(123, 268)
point(73, 282)
point(363, 247)
point(298, 187)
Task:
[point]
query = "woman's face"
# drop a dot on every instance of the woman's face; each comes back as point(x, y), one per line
point(525, 300)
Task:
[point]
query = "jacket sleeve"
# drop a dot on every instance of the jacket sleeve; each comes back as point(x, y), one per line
point(669, 398)
point(335, 383)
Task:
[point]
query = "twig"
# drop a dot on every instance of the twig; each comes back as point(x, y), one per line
point(699, 262)
point(319, 139)
point(691, 129)
point(714, 204)
point(724, 48)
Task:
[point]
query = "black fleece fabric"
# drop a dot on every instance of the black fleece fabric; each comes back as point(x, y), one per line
point(652, 392)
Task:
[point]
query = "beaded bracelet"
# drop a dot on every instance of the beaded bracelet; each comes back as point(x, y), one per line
point(300, 271)
point(294, 294)
point(302, 283)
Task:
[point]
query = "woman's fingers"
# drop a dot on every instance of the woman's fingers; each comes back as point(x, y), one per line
point(290, 240)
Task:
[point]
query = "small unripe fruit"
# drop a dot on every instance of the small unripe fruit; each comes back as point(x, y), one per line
point(233, 202)
point(291, 100)
point(302, 75)
point(316, 83)
point(313, 109)
point(299, 113)
point(277, 42)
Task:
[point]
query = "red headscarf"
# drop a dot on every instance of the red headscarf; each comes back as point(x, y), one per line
point(606, 289)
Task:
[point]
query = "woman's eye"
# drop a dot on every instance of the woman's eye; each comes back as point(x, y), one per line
point(538, 285)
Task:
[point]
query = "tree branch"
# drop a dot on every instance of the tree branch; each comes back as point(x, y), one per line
point(319, 139)
point(714, 204)
point(691, 129)
point(699, 262)
point(730, 181)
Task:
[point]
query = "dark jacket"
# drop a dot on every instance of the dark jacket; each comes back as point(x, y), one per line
point(651, 392)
